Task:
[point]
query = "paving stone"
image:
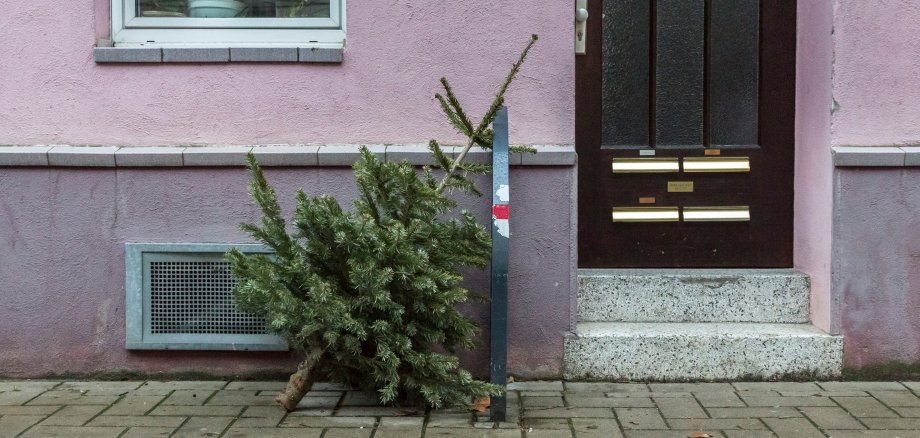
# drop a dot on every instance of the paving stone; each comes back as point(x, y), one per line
point(777, 386)
point(240, 398)
point(73, 415)
point(100, 388)
point(760, 400)
point(542, 393)
point(536, 385)
point(831, 418)
point(292, 421)
point(605, 387)
point(257, 386)
point(401, 422)
point(202, 427)
point(262, 412)
point(664, 433)
point(873, 434)
point(257, 422)
point(793, 427)
point(862, 386)
point(72, 432)
point(134, 405)
point(188, 397)
point(472, 433)
point(748, 433)
point(610, 402)
point(539, 433)
point(640, 418)
point(569, 412)
point(769, 412)
point(824, 393)
point(18, 397)
point(690, 387)
point(718, 399)
point(211, 411)
point(596, 428)
point(348, 433)
point(329, 386)
point(360, 398)
point(648, 394)
point(10, 425)
point(542, 402)
point(545, 423)
point(164, 388)
point(136, 420)
point(148, 432)
point(449, 420)
point(892, 423)
point(72, 398)
point(399, 433)
point(716, 423)
point(312, 412)
point(28, 410)
point(907, 412)
point(271, 432)
point(378, 411)
point(26, 385)
point(864, 407)
point(680, 408)
point(897, 398)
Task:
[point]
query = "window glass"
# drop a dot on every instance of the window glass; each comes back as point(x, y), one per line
point(234, 8)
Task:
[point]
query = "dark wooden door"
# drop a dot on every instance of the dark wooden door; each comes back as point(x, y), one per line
point(685, 133)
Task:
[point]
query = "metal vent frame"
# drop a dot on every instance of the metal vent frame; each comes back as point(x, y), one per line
point(138, 333)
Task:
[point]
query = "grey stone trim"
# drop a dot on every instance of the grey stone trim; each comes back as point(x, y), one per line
point(24, 155)
point(128, 54)
point(196, 54)
point(149, 157)
point(263, 54)
point(874, 156)
point(215, 156)
point(107, 54)
point(911, 155)
point(316, 54)
point(268, 155)
point(86, 156)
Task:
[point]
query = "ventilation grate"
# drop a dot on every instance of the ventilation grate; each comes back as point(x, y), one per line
point(180, 296)
point(197, 297)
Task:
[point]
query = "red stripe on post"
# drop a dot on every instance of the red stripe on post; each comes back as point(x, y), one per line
point(501, 211)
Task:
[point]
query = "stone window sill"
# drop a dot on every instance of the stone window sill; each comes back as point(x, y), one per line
point(876, 156)
point(159, 55)
point(268, 155)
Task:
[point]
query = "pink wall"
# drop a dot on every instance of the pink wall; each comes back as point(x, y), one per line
point(877, 57)
point(813, 168)
point(52, 91)
point(62, 297)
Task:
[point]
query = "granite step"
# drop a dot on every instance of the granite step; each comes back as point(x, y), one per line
point(700, 351)
point(693, 295)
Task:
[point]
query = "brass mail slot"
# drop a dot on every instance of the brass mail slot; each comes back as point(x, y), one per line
point(646, 214)
point(737, 213)
point(645, 165)
point(717, 164)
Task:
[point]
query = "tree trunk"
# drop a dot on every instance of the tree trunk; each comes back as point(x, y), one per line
point(299, 383)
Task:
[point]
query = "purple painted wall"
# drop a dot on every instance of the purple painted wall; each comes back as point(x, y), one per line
point(63, 232)
point(876, 243)
point(53, 92)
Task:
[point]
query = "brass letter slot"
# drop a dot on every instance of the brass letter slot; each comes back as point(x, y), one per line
point(646, 214)
point(717, 164)
point(739, 213)
point(645, 165)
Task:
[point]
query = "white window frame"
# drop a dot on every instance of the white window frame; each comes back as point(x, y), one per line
point(130, 30)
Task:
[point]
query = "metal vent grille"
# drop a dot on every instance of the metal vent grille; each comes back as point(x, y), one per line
point(197, 297)
point(180, 296)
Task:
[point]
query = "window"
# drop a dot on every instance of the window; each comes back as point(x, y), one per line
point(229, 23)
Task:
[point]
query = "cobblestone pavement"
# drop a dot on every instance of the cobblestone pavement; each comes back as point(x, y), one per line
point(536, 409)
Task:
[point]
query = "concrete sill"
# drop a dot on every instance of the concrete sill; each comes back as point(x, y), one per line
point(340, 155)
point(161, 55)
point(876, 156)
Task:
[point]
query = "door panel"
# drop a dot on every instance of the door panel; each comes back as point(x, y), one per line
point(708, 86)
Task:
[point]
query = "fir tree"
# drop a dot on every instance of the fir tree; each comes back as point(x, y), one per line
point(369, 295)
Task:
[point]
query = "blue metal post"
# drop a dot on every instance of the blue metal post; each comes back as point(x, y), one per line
point(498, 364)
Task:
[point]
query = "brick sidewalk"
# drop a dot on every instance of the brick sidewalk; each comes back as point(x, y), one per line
point(537, 409)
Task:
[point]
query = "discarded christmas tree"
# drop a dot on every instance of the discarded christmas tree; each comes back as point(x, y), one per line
point(369, 295)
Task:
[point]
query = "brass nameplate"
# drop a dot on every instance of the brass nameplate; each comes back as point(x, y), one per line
point(647, 200)
point(712, 152)
point(680, 186)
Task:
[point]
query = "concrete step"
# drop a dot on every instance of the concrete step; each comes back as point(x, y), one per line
point(693, 295)
point(700, 351)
